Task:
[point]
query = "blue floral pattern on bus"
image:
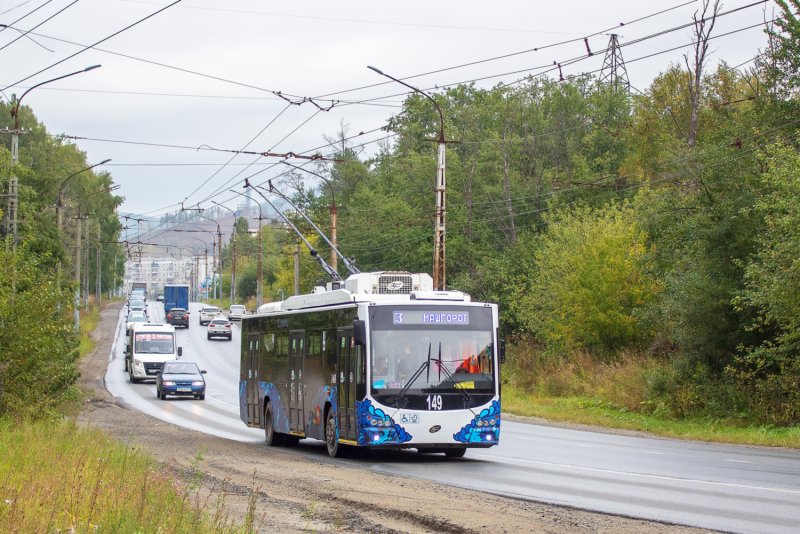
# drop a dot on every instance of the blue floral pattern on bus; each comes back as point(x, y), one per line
point(377, 428)
point(280, 422)
point(315, 417)
point(243, 400)
point(484, 428)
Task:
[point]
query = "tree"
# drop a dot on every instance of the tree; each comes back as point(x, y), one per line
point(783, 62)
point(772, 289)
point(38, 344)
point(589, 282)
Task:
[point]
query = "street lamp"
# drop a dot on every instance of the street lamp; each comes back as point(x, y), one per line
point(233, 254)
point(11, 221)
point(260, 266)
point(59, 203)
point(439, 265)
point(332, 210)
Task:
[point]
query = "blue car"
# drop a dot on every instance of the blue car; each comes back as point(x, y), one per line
point(180, 378)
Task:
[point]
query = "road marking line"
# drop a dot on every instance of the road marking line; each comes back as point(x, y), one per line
point(641, 475)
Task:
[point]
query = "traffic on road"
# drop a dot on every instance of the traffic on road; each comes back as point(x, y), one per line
point(723, 487)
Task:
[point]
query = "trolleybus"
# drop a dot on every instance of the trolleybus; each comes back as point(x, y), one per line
point(379, 360)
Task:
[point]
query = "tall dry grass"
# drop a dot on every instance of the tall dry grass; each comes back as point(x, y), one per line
point(56, 477)
point(621, 382)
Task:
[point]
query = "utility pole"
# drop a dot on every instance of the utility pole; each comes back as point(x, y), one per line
point(13, 183)
point(233, 254)
point(439, 260)
point(221, 266)
point(76, 313)
point(98, 273)
point(297, 269)
point(260, 277)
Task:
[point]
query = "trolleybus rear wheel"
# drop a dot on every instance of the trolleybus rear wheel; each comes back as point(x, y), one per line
point(272, 438)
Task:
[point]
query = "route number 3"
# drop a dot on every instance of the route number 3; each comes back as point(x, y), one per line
point(434, 402)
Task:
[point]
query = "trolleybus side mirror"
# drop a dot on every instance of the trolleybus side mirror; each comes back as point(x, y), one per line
point(180, 352)
point(360, 332)
point(502, 351)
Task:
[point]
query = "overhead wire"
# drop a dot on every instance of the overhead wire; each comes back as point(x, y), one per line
point(512, 54)
point(278, 94)
point(29, 13)
point(26, 32)
point(226, 185)
point(759, 24)
point(84, 49)
point(9, 10)
point(653, 180)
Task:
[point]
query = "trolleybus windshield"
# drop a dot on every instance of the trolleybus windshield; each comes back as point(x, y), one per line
point(451, 346)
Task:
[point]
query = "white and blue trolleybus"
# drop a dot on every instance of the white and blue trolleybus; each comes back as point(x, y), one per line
point(379, 360)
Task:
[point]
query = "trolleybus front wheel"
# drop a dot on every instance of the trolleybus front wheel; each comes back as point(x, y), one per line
point(334, 449)
point(455, 453)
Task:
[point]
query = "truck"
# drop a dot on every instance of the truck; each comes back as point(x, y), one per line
point(139, 287)
point(176, 296)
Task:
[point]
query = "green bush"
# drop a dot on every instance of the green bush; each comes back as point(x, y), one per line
point(38, 343)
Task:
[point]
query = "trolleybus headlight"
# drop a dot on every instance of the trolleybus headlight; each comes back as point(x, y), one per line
point(373, 422)
point(492, 422)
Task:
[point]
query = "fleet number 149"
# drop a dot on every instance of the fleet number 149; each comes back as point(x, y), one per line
point(434, 402)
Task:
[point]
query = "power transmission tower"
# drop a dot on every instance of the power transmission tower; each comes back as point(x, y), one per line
point(614, 72)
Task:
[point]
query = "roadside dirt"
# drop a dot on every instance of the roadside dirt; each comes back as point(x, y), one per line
point(295, 493)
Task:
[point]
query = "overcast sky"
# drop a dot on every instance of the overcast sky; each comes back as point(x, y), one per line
point(248, 50)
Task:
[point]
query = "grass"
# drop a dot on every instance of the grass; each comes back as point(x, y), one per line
point(88, 483)
point(613, 393)
point(89, 319)
point(596, 412)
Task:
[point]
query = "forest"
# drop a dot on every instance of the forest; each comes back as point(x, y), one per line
point(642, 245)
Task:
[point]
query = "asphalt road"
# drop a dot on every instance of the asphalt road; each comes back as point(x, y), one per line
point(728, 488)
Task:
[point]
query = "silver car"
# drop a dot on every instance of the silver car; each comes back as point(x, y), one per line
point(207, 313)
point(236, 312)
point(220, 327)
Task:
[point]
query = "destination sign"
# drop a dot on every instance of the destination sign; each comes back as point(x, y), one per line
point(418, 317)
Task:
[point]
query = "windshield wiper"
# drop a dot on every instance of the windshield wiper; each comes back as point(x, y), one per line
point(448, 375)
point(425, 364)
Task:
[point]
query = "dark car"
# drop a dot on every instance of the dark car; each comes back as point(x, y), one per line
point(181, 378)
point(178, 317)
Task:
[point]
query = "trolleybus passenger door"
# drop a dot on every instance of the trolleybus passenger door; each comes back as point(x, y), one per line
point(350, 381)
point(251, 387)
point(296, 352)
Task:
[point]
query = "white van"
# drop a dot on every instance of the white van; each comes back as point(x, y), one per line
point(149, 346)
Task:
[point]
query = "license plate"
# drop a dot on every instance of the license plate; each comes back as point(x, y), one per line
point(184, 389)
